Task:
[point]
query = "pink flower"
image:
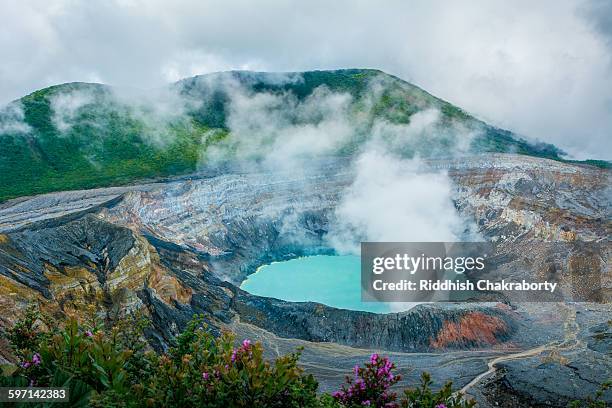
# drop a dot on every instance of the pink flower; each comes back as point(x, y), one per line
point(366, 403)
point(246, 343)
point(88, 333)
point(36, 359)
point(374, 358)
point(25, 364)
point(441, 406)
point(205, 376)
point(234, 355)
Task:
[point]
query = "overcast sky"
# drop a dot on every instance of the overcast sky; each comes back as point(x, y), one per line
point(540, 68)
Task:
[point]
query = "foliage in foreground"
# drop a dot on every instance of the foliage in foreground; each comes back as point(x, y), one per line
point(114, 367)
point(597, 401)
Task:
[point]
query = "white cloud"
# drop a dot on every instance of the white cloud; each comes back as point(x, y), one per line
point(12, 119)
point(65, 107)
point(542, 69)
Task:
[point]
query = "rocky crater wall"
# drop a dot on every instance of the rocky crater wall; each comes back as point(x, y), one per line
point(183, 246)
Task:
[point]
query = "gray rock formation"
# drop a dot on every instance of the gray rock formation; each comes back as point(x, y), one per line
point(182, 246)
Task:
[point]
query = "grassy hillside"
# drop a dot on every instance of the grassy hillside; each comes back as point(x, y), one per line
point(106, 145)
point(396, 102)
point(81, 135)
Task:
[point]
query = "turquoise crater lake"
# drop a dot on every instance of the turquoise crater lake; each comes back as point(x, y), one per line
point(332, 280)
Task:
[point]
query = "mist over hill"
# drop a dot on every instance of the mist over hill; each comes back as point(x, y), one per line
point(82, 135)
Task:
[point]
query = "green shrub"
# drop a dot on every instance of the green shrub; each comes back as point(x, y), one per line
point(597, 401)
point(424, 397)
point(113, 366)
point(205, 371)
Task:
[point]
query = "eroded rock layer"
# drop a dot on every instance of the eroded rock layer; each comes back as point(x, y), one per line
point(183, 246)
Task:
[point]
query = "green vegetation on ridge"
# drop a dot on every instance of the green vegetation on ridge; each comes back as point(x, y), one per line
point(113, 366)
point(108, 141)
point(104, 146)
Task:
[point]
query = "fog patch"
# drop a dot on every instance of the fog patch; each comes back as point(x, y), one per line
point(161, 112)
point(425, 136)
point(12, 119)
point(67, 107)
point(155, 114)
point(278, 131)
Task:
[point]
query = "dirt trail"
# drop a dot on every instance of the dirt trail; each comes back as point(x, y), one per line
point(570, 341)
